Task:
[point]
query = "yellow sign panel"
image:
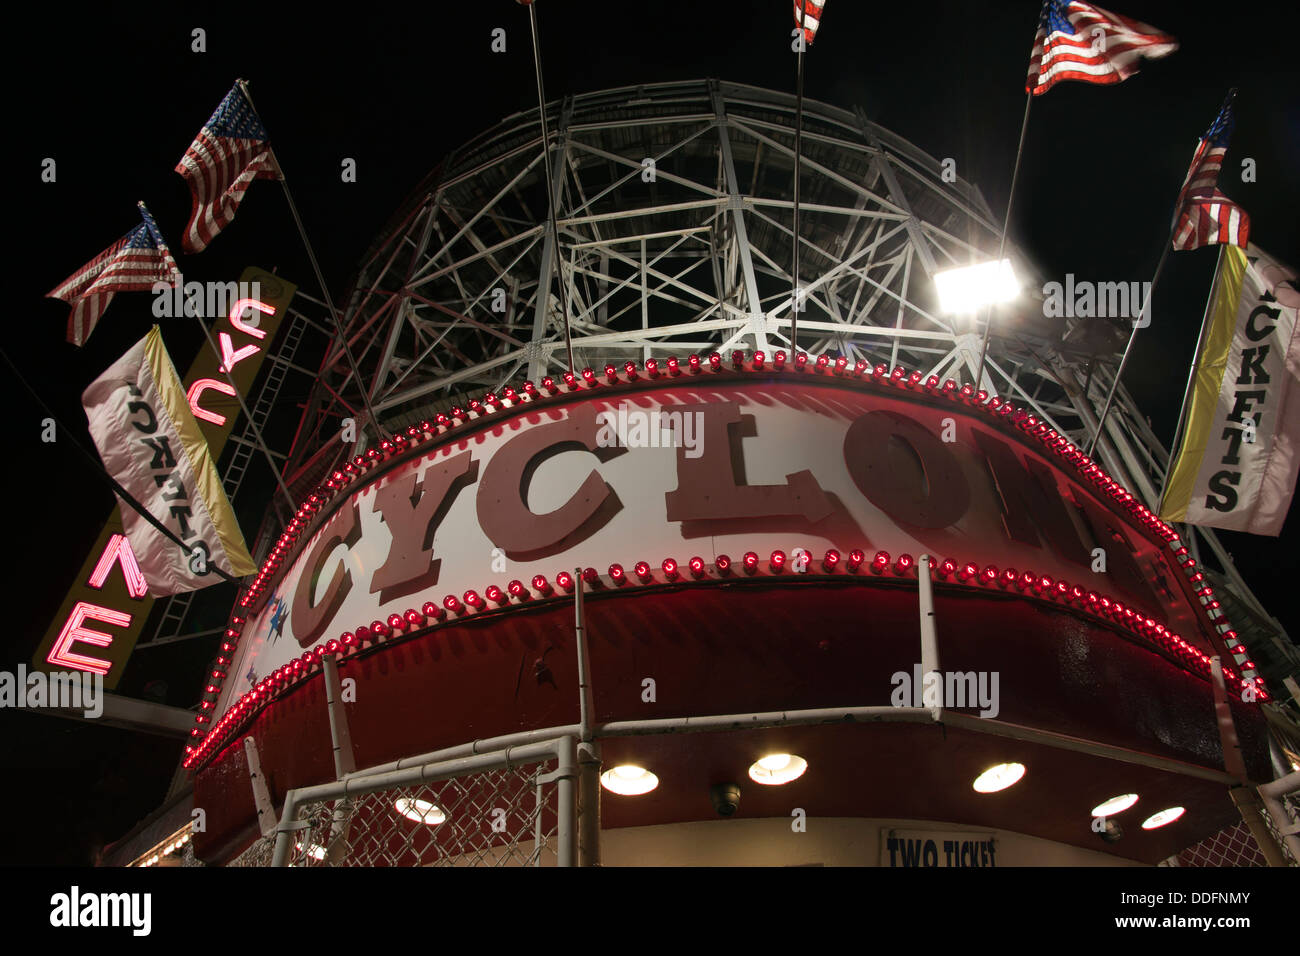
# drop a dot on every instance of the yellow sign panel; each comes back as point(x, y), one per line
point(101, 617)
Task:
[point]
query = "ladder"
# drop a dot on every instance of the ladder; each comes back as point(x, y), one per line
point(178, 605)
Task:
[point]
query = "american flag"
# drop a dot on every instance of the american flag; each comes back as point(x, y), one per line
point(1205, 215)
point(811, 18)
point(132, 264)
point(1077, 41)
point(229, 153)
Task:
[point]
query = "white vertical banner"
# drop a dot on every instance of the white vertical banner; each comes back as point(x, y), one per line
point(1236, 468)
point(150, 443)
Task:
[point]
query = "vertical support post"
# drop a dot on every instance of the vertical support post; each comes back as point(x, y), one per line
point(929, 637)
point(340, 737)
point(283, 832)
point(1232, 759)
point(261, 795)
point(540, 794)
point(588, 751)
point(344, 760)
point(566, 829)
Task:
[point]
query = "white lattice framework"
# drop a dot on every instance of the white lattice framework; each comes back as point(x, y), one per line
point(464, 292)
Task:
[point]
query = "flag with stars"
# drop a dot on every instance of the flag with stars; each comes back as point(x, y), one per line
point(229, 153)
point(132, 264)
point(1077, 41)
point(811, 17)
point(1205, 215)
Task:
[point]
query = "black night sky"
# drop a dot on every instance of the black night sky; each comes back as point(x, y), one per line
point(116, 98)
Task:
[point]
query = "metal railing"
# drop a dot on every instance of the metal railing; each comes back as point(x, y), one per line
point(510, 807)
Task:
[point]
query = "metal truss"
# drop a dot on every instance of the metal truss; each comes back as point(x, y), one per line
point(674, 235)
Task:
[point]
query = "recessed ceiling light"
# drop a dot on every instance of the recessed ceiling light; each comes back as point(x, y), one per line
point(1115, 805)
point(628, 780)
point(776, 769)
point(1163, 818)
point(998, 777)
point(421, 811)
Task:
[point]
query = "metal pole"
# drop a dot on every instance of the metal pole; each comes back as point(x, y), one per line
point(588, 752)
point(1119, 372)
point(320, 278)
point(796, 302)
point(344, 761)
point(929, 639)
point(550, 192)
point(341, 738)
point(1191, 377)
point(1002, 243)
point(566, 831)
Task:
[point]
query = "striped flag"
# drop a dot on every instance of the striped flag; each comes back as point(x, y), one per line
point(812, 16)
point(1077, 41)
point(132, 264)
point(1205, 215)
point(229, 153)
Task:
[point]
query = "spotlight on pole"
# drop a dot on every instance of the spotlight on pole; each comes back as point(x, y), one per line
point(967, 289)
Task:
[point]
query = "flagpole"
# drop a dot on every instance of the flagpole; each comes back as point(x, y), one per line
point(1191, 377)
point(257, 432)
point(550, 192)
point(1002, 243)
point(795, 299)
point(98, 467)
point(320, 281)
point(1119, 372)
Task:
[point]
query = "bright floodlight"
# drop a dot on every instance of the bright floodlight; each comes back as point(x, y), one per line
point(967, 289)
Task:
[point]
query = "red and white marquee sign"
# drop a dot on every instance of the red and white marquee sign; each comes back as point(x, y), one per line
point(730, 466)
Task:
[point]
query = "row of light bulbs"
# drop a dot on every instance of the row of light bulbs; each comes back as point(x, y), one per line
point(1004, 775)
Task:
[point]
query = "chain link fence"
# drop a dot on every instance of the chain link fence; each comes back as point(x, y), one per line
point(514, 807)
point(501, 817)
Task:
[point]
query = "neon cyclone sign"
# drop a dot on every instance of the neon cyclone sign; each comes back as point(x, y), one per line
point(543, 487)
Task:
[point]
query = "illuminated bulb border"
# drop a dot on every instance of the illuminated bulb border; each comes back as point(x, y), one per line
point(303, 525)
